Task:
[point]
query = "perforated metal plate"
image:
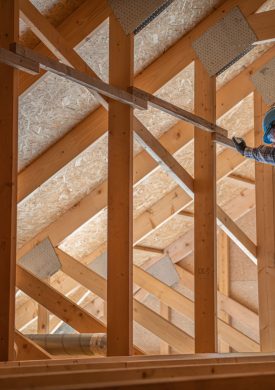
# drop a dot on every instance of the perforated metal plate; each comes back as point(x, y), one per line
point(264, 81)
point(224, 43)
point(163, 270)
point(134, 15)
point(42, 260)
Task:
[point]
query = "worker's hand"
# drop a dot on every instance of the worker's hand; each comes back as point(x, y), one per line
point(240, 144)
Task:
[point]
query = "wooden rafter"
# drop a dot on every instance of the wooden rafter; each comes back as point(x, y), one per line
point(263, 25)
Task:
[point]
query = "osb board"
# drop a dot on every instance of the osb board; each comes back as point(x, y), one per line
point(47, 112)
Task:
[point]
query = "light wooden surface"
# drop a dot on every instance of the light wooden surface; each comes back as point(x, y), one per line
point(205, 256)
point(265, 223)
point(9, 25)
point(28, 350)
point(263, 25)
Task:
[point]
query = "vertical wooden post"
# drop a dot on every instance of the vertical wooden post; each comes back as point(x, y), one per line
point(165, 311)
point(120, 199)
point(9, 21)
point(265, 220)
point(43, 317)
point(205, 216)
point(223, 278)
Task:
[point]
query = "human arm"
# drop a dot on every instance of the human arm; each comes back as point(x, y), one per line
point(263, 153)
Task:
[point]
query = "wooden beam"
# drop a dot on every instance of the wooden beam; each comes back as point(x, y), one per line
point(56, 303)
point(28, 350)
point(205, 216)
point(120, 198)
point(263, 25)
point(9, 32)
point(149, 249)
point(43, 317)
point(237, 235)
point(265, 222)
point(223, 253)
point(169, 108)
point(150, 80)
point(166, 312)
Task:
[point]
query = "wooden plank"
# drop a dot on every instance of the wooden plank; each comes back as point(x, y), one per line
point(188, 377)
point(223, 254)
point(205, 216)
point(9, 25)
point(120, 197)
point(263, 25)
point(18, 62)
point(28, 350)
point(149, 249)
point(265, 223)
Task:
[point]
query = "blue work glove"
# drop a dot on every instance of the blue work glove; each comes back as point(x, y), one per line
point(240, 144)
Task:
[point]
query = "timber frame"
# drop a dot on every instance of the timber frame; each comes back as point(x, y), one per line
point(212, 309)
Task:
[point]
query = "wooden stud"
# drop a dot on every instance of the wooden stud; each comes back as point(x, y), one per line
point(265, 221)
point(120, 198)
point(205, 216)
point(223, 278)
point(43, 317)
point(9, 25)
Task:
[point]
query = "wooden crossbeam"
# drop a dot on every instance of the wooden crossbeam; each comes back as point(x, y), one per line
point(9, 31)
point(263, 25)
point(150, 80)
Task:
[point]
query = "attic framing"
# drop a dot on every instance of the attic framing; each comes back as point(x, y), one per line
point(117, 101)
